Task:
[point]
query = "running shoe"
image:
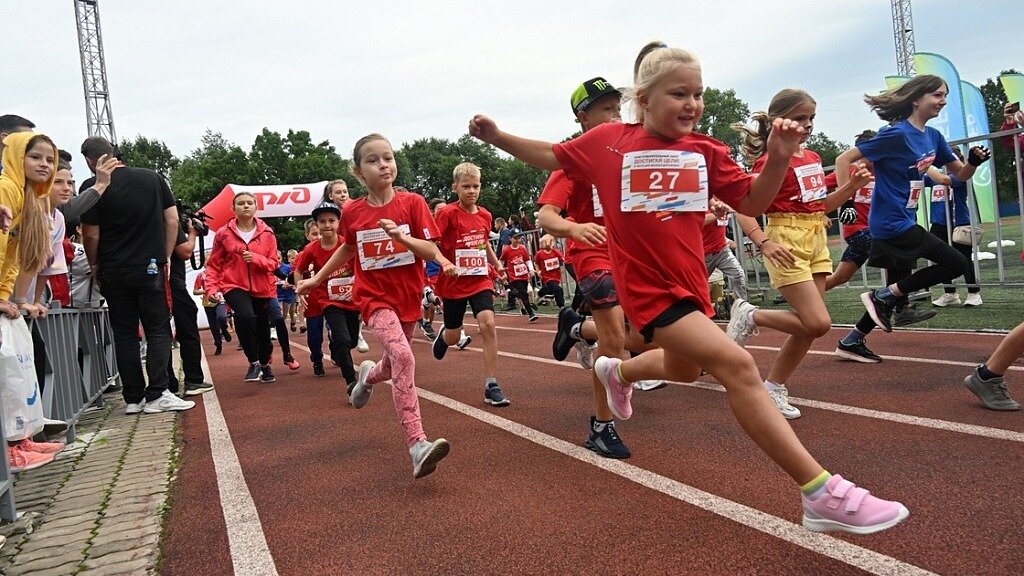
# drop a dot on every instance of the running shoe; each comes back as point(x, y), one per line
point(167, 402)
point(992, 393)
point(563, 342)
point(464, 340)
point(267, 375)
point(879, 310)
point(40, 447)
point(606, 442)
point(134, 407)
point(318, 370)
point(741, 321)
point(619, 393)
point(648, 385)
point(361, 392)
point(858, 352)
point(361, 344)
point(428, 299)
point(946, 299)
point(844, 507)
point(911, 314)
point(428, 330)
point(780, 395)
point(494, 396)
point(585, 354)
point(196, 388)
point(253, 374)
point(973, 299)
point(440, 347)
point(217, 350)
point(425, 456)
point(53, 428)
point(291, 362)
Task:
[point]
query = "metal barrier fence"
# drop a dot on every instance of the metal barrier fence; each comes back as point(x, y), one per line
point(79, 366)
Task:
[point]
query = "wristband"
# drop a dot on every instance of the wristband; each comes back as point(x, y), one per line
point(761, 244)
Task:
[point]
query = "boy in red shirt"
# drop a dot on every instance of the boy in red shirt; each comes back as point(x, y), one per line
point(464, 229)
point(549, 262)
point(518, 267)
point(330, 302)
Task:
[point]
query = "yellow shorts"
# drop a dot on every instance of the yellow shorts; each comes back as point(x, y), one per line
point(804, 235)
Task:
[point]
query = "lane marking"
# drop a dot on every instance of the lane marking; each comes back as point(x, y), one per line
point(924, 422)
point(246, 539)
point(845, 552)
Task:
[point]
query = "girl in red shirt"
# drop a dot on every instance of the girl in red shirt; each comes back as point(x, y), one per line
point(794, 243)
point(389, 233)
point(240, 271)
point(654, 179)
point(549, 263)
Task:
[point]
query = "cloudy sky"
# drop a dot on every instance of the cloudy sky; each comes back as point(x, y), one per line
point(413, 70)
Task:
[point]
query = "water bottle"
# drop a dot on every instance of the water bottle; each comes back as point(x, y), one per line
point(152, 269)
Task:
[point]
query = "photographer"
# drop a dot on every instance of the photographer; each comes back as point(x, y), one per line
point(184, 310)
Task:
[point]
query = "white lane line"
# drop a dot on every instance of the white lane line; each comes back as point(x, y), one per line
point(250, 554)
point(959, 427)
point(845, 552)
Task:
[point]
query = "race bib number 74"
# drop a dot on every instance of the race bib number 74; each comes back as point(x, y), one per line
point(377, 250)
point(664, 181)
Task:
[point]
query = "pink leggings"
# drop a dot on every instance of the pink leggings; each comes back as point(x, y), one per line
point(398, 365)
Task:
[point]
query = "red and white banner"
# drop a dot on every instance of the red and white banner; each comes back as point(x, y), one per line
point(271, 201)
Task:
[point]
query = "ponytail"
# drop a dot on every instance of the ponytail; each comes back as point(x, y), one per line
point(755, 141)
point(34, 245)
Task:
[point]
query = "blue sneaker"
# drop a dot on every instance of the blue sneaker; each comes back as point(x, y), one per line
point(606, 442)
point(494, 397)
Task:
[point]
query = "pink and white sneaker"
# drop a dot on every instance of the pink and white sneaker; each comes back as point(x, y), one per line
point(844, 507)
point(618, 392)
point(40, 447)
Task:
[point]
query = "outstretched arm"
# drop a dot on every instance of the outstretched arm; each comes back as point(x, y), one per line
point(534, 152)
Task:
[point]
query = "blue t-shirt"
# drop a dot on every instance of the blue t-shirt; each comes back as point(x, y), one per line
point(433, 268)
point(960, 213)
point(901, 154)
point(287, 294)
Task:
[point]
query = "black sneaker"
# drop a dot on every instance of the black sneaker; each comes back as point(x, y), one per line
point(440, 346)
point(227, 336)
point(196, 388)
point(318, 370)
point(606, 442)
point(533, 317)
point(268, 375)
point(253, 375)
point(216, 351)
point(911, 314)
point(523, 311)
point(494, 397)
point(857, 352)
point(879, 310)
point(563, 342)
point(428, 330)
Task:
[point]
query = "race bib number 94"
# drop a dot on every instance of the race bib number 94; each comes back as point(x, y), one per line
point(664, 181)
point(812, 182)
point(377, 250)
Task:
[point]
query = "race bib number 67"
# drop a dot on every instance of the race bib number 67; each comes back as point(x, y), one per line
point(377, 250)
point(664, 181)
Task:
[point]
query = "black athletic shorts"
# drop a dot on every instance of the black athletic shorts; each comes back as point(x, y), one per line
point(455, 308)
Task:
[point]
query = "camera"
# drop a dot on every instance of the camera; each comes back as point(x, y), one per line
point(198, 219)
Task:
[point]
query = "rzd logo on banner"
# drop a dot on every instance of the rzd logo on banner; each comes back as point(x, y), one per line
point(299, 195)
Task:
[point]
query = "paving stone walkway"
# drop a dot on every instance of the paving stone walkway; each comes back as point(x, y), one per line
point(97, 509)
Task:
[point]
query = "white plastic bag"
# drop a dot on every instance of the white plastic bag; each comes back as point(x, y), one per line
point(20, 399)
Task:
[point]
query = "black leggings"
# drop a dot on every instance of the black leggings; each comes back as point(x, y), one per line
point(344, 327)
point(940, 231)
point(252, 324)
point(517, 289)
point(553, 288)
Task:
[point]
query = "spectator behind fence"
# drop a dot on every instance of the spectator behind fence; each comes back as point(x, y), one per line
point(128, 236)
point(184, 311)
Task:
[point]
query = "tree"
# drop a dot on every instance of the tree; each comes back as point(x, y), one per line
point(721, 109)
point(826, 147)
point(205, 172)
point(145, 153)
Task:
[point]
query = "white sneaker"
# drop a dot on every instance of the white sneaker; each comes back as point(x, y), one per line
point(273, 334)
point(464, 340)
point(134, 408)
point(425, 456)
point(781, 398)
point(973, 299)
point(167, 402)
point(648, 385)
point(361, 345)
point(946, 299)
point(585, 354)
point(741, 321)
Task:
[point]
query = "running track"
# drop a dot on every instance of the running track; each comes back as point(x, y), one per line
point(289, 479)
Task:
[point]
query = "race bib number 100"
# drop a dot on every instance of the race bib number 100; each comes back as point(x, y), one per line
point(471, 262)
point(377, 250)
point(664, 181)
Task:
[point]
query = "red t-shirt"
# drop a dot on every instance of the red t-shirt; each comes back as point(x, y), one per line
point(463, 240)
point(515, 260)
point(657, 256)
point(579, 200)
point(336, 291)
point(714, 237)
point(804, 181)
point(549, 262)
point(390, 275)
point(861, 203)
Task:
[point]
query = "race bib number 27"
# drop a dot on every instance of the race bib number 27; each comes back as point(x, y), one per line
point(664, 181)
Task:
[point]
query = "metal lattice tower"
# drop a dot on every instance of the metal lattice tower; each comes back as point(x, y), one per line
point(99, 120)
point(903, 32)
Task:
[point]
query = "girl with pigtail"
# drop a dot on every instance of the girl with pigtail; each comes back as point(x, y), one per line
point(794, 243)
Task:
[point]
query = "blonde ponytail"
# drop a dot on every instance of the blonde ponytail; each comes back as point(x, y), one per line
point(34, 245)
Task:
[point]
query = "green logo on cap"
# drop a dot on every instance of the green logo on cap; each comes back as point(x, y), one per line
point(602, 85)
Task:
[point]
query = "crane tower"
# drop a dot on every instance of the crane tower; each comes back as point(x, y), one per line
point(903, 32)
point(99, 120)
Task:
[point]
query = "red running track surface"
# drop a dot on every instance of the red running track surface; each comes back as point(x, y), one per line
point(334, 491)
